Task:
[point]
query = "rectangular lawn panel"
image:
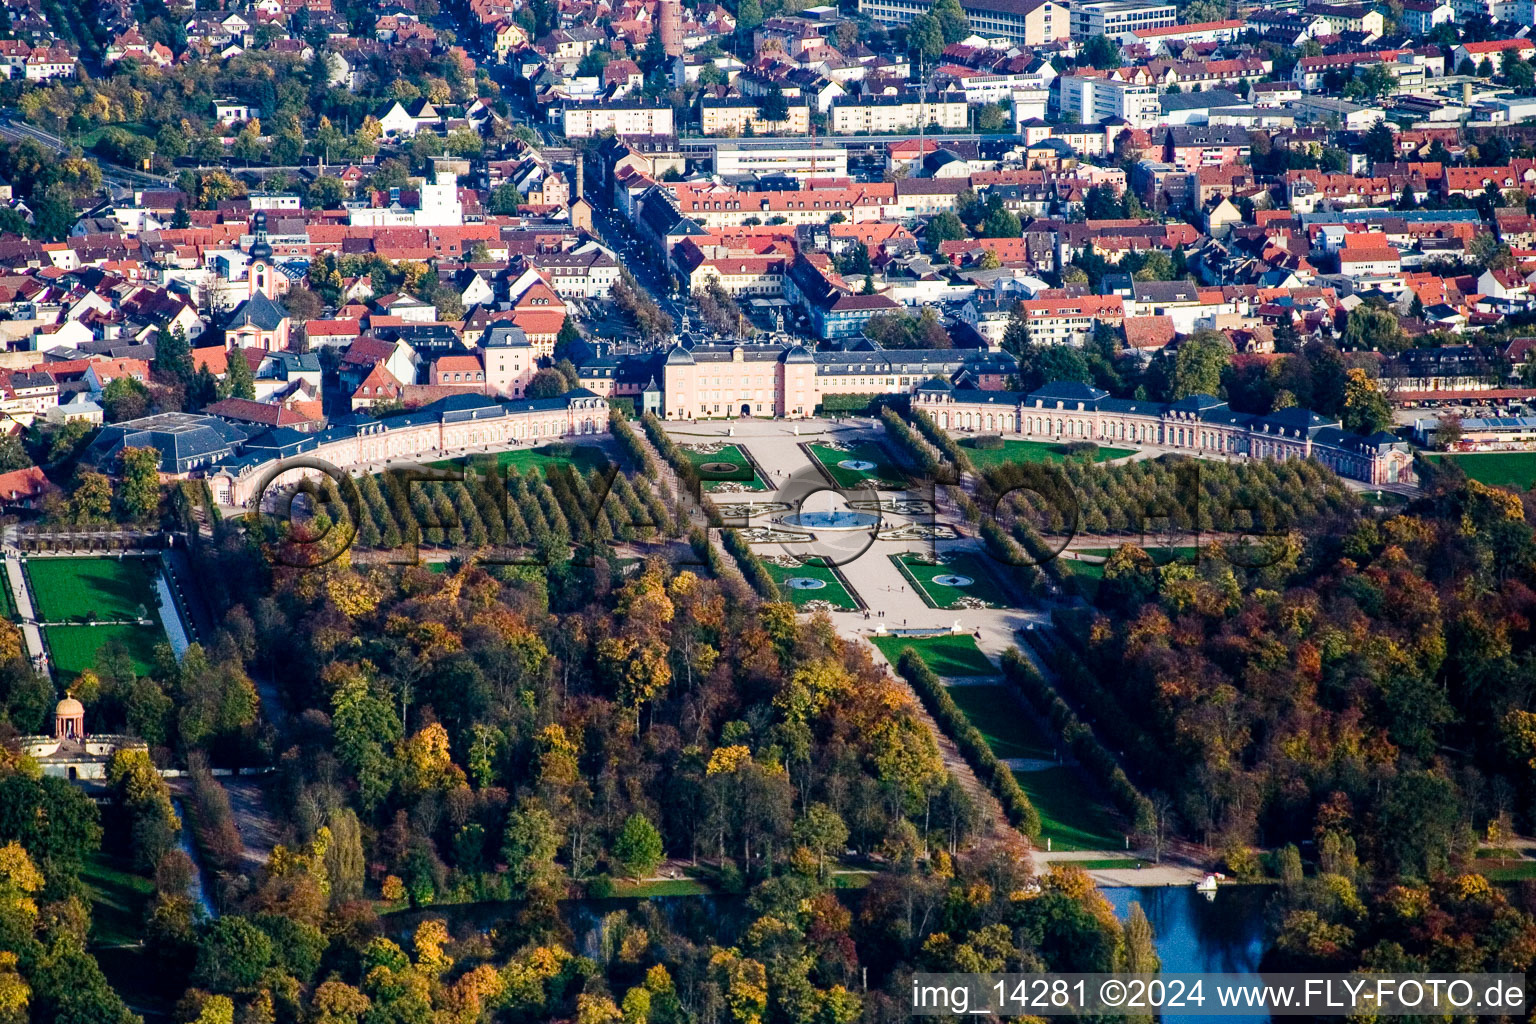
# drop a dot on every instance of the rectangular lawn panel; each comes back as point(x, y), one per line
point(1031, 451)
point(883, 475)
point(948, 655)
point(984, 585)
point(742, 474)
point(833, 591)
point(582, 457)
point(7, 599)
point(1496, 469)
point(1069, 815)
point(118, 899)
point(74, 648)
point(1008, 730)
point(108, 588)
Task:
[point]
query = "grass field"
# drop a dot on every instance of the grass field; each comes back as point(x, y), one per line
point(74, 648)
point(7, 599)
point(949, 655)
point(834, 591)
point(525, 460)
point(118, 900)
point(108, 588)
point(1497, 469)
point(742, 473)
point(1003, 724)
point(985, 585)
point(1508, 871)
point(1160, 555)
point(664, 887)
point(1069, 816)
point(1030, 451)
point(885, 475)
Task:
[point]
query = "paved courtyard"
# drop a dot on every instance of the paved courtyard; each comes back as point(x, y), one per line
point(775, 446)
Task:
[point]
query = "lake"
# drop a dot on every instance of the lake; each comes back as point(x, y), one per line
point(1194, 935)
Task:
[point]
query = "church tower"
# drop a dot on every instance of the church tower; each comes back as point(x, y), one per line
point(262, 275)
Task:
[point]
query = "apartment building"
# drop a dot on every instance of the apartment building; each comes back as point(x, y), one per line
point(742, 115)
point(899, 113)
point(623, 118)
point(1116, 18)
point(1027, 22)
point(1070, 321)
point(1096, 100)
point(798, 158)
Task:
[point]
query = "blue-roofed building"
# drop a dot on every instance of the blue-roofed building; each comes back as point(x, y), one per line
point(186, 441)
point(457, 425)
point(1199, 425)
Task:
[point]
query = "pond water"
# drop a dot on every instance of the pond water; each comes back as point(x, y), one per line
point(1226, 935)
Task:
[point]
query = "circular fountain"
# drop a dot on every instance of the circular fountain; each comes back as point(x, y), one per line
point(832, 520)
point(953, 580)
point(805, 583)
point(856, 465)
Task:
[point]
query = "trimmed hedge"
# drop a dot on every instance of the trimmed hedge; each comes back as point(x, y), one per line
point(751, 566)
point(832, 405)
point(1003, 548)
point(973, 745)
point(940, 439)
point(629, 444)
point(680, 463)
point(1079, 738)
point(918, 453)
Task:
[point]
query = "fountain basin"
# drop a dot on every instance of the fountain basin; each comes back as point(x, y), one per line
point(832, 521)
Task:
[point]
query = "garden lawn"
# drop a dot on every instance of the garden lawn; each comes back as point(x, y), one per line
point(74, 648)
point(985, 585)
point(743, 472)
point(118, 900)
point(948, 655)
point(884, 476)
point(1497, 469)
point(1031, 451)
point(583, 457)
point(996, 713)
point(1069, 815)
point(1160, 555)
point(110, 588)
point(834, 591)
point(7, 599)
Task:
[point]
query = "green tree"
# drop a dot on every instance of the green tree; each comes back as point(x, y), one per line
point(140, 488)
point(239, 382)
point(925, 37)
point(821, 831)
point(1366, 409)
point(945, 227)
point(1372, 328)
point(953, 24)
point(529, 847)
point(1199, 364)
point(637, 849)
point(1101, 52)
point(773, 106)
point(13, 455)
point(326, 192)
point(173, 356)
point(232, 955)
point(547, 383)
point(124, 399)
